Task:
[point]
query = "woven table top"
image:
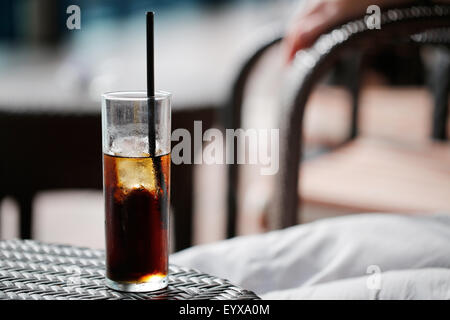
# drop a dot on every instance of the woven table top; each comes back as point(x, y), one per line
point(31, 270)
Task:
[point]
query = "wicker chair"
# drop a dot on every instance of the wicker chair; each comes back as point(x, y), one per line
point(418, 25)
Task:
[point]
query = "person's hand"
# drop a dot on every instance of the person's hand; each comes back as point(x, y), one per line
point(317, 16)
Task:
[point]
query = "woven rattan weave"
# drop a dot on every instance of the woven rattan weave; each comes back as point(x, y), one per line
point(34, 270)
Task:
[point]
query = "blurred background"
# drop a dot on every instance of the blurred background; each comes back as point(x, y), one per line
point(51, 79)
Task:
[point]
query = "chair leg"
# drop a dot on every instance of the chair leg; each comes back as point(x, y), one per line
point(26, 215)
point(354, 85)
point(348, 72)
point(232, 188)
point(182, 204)
point(440, 86)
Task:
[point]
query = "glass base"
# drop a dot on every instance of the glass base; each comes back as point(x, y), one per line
point(153, 284)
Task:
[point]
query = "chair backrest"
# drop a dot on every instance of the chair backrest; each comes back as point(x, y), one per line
point(409, 23)
point(44, 150)
point(51, 151)
point(265, 39)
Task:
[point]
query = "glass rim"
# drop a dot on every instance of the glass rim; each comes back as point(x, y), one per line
point(135, 95)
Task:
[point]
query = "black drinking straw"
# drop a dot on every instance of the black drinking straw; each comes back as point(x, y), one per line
point(151, 103)
point(151, 85)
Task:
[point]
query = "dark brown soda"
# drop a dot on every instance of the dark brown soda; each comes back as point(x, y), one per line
point(136, 214)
